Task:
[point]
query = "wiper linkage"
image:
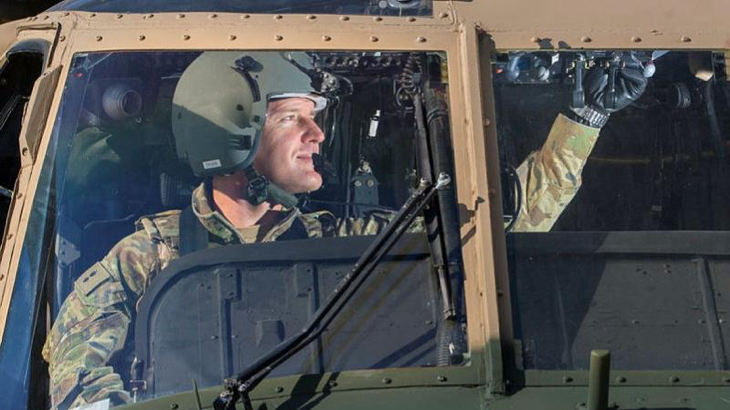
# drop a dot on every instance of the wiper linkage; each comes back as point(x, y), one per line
point(240, 387)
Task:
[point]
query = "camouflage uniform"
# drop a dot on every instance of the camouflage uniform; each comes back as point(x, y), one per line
point(551, 176)
point(93, 325)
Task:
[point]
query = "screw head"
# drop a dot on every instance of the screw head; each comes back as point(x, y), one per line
point(186, 37)
point(443, 15)
point(374, 39)
point(421, 39)
point(181, 16)
point(378, 18)
point(674, 379)
point(411, 19)
point(142, 37)
point(621, 379)
point(685, 39)
point(278, 37)
point(344, 18)
point(311, 17)
point(326, 38)
point(279, 389)
point(636, 39)
point(386, 380)
point(62, 38)
point(99, 38)
point(174, 406)
point(586, 39)
point(232, 37)
point(332, 383)
point(441, 378)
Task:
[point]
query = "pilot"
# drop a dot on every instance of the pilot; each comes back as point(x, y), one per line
point(245, 122)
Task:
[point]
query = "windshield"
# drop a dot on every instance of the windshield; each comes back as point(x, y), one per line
point(615, 180)
point(165, 249)
point(354, 7)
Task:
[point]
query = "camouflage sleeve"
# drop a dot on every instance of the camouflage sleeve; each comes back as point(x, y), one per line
point(373, 224)
point(93, 324)
point(551, 176)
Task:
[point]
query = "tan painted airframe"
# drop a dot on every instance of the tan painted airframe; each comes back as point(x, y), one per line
point(468, 31)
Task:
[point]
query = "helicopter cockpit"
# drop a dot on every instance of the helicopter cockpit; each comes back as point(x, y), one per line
point(113, 168)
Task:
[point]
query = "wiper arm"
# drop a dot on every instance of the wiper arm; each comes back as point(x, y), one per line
point(240, 387)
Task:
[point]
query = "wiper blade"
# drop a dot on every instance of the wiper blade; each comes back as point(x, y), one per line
point(240, 386)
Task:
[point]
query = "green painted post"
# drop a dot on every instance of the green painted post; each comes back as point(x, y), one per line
point(598, 380)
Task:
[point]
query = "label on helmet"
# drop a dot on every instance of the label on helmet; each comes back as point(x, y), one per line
point(216, 163)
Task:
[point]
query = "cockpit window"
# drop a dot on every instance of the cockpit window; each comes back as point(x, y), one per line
point(354, 7)
point(168, 247)
point(614, 181)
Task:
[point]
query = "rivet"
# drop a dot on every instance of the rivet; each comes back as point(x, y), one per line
point(2, 277)
point(326, 38)
point(386, 380)
point(213, 16)
point(213, 337)
point(279, 389)
point(441, 378)
point(674, 379)
point(701, 321)
point(581, 405)
point(421, 39)
point(726, 379)
point(9, 237)
point(142, 37)
point(246, 16)
point(232, 37)
point(721, 321)
point(332, 383)
point(278, 17)
point(66, 14)
point(621, 379)
point(373, 39)
point(92, 15)
point(119, 16)
point(344, 18)
point(636, 39)
point(99, 38)
point(174, 406)
point(311, 17)
point(181, 16)
point(18, 195)
point(535, 39)
point(186, 37)
point(30, 18)
point(378, 18)
point(62, 38)
point(443, 15)
point(567, 379)
point(655, 32)
point(586, 39)
point(149, 16)
point(24, 151)
point(411, 19)
point(685, 39)
point(46, 17)
point(278, 37)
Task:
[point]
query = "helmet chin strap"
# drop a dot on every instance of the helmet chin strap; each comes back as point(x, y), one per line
point(259, 190)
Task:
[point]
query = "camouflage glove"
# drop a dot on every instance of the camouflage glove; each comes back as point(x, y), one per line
point(611, 87)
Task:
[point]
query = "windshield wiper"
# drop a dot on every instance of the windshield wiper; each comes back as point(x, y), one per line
point(240, 386)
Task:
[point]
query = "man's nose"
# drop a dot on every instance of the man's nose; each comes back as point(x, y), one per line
point(313, 133)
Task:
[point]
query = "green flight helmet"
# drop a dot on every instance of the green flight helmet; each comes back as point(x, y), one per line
point(219, 105)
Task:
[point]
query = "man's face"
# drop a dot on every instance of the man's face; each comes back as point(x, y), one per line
point(289, 139)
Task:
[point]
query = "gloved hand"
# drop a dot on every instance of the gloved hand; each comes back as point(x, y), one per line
point(612, 87)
